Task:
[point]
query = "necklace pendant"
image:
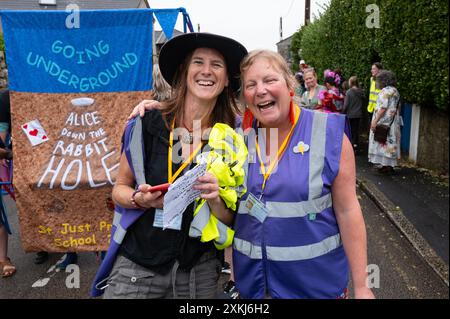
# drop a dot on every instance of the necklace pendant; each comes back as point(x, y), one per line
point(187, 138)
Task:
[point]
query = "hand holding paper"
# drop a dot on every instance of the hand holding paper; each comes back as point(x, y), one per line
point(181, 193)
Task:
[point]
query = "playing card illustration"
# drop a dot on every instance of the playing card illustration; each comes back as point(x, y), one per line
point(35, 132)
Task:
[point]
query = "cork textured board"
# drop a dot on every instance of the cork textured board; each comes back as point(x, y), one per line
point(63, 186)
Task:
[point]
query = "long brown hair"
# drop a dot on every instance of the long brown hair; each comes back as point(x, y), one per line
point(225, 110)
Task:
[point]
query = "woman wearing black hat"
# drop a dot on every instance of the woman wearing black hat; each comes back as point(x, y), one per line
point(151, 262)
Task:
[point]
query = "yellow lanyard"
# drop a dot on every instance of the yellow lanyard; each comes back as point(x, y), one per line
point(169, 158)
point(279, 154)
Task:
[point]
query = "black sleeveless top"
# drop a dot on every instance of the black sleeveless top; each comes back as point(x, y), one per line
point(153, 247)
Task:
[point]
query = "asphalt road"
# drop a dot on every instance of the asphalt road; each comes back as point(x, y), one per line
point(402, 272)
point(423, 200)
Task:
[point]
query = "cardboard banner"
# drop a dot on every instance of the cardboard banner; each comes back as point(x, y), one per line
point(72, 87)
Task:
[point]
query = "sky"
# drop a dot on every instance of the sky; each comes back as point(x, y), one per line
point(254, 23)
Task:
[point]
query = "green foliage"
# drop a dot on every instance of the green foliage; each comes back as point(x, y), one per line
point(2, 43)
point(412, 41)
point(295, 46)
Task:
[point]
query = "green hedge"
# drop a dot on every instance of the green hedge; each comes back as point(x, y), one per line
point(412, 41)
point(2, 43)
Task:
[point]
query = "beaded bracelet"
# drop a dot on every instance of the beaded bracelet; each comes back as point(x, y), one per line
point(133, 200)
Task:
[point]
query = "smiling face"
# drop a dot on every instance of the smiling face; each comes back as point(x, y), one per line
point(310, 79)
point(207, 75)
point(374, 70)
point(266, 93)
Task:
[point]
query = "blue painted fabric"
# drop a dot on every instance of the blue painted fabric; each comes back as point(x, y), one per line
point(107, 51)
point(167, 20)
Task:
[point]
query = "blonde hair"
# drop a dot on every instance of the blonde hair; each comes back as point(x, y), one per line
point(353, 81)
point(310, 70)
point(275, 60)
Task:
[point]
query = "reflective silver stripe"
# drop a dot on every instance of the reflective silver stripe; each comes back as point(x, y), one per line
point(119, 234)
point(116, 218)
point(247, 248)
point(222, 228)
point(245, 167)
point(229, 140)
point(299, 209)
point(317, 154)
point(137, 157)
point(199, 222)
point(303, 252)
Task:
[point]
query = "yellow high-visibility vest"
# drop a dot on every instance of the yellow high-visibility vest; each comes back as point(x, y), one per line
point(372, 96)
point(225, 161)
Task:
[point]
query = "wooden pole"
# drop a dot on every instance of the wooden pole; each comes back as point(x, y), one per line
point(307, 11)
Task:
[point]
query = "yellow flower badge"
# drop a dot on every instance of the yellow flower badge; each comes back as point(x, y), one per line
point(301, 147)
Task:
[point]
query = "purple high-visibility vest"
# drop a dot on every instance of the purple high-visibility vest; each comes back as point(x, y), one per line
point(123, 217)
point(296, 252)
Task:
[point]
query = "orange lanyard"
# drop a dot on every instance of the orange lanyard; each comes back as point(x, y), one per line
point(169, 158)
point(280, 153)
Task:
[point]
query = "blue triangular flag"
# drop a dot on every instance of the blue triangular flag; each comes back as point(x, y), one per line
point(167, 21)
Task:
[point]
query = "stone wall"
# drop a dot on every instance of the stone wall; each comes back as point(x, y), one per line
point(432, 151)
point(284, 49)
point(3, 71)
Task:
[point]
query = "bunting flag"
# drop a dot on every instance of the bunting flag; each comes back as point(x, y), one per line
point(167, 20)
point(74, 78)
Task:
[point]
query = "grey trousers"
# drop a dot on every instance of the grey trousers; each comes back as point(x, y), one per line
point(129, 280)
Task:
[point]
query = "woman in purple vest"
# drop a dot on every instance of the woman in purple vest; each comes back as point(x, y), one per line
point(299, 228)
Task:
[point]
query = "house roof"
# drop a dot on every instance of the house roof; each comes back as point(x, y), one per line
point(285, 40)
point(83, 4)
point(160, 37)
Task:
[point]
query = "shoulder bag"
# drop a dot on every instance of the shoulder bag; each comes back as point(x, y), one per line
point(382, 130)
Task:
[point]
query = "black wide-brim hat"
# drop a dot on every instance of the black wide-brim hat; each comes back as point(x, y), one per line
point(174, 52)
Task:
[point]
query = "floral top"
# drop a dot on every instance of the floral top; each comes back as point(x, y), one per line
point(388, 153)
point(388, 99)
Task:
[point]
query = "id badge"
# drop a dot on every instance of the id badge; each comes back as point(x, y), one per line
point(158, 221)
point(256, 208)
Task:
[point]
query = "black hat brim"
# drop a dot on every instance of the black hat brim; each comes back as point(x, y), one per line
point(174, 52)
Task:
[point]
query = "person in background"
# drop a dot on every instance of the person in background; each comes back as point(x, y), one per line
point(353, 108)
point(345, 87)
point(300, 87)
point(331, 100)
point(373, 93)
point(7, 268)
point(302, 66)
point(339, 80)
point(386, 112)
point(310, 98)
